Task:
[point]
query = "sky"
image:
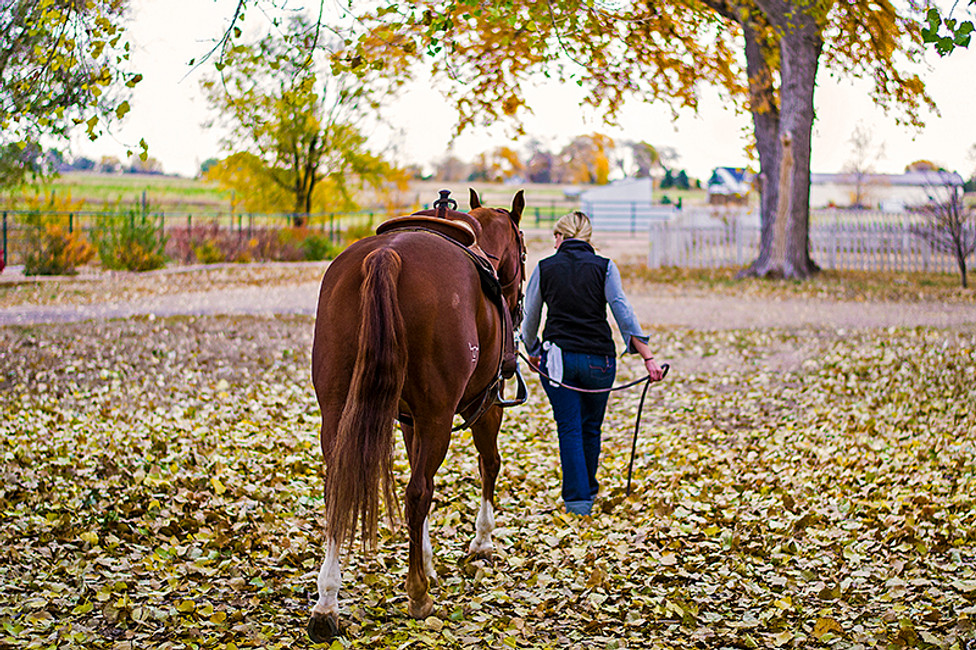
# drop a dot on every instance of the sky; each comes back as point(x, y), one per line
point(169, 111)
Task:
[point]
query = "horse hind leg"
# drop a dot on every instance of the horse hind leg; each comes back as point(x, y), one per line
point(428, 549)
point(426, 452)
point(485, 433)
point(417, 505)
point(323, 626)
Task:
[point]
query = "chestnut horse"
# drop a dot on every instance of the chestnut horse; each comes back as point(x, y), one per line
point(406, 331)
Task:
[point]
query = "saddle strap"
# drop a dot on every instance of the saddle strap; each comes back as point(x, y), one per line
point(509, 353)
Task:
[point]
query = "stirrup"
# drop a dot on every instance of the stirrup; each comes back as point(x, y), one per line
point(521, 392)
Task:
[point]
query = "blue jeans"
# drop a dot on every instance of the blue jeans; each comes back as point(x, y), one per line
point(579, 417)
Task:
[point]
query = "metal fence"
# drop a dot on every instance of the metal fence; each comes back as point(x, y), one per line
point(863, 241)
point(16, 225)
point(179, 226)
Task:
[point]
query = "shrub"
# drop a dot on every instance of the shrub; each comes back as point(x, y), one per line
point(52, 250)
point(207, 243)
point(130, 241)
point(318, 246)
point(208, 252)
point(359, 231)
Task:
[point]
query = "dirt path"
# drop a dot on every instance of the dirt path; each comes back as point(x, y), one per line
point(656, 305)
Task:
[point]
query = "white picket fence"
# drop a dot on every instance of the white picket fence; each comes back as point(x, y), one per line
point(850, 241)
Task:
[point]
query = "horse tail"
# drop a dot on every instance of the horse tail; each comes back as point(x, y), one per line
point(360, 465)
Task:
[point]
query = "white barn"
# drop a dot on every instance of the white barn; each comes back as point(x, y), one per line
point(889, 192)
point(624, 205)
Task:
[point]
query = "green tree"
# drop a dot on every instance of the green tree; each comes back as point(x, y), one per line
point(63, 64)
point(664, 51)
point(646, 157)
point(681, 181)
point(292, 127)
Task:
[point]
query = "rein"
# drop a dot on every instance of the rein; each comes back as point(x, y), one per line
point(646, 380)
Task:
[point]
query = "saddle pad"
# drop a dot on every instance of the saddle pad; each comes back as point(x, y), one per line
point(459, 231)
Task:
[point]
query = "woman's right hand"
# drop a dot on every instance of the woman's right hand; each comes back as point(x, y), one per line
point(654, 371)
point(535, 363)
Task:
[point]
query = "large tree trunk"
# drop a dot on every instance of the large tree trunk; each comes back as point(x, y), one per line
point(765, 121)
point(800, 47)
point(764, 107)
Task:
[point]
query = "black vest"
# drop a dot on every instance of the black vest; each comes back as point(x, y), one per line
point(572, 283)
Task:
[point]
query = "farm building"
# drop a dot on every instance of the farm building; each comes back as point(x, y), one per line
point(729, 186)
point(888, 192)
point(624, 205)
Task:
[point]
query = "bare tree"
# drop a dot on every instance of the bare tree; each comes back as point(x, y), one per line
point(949, 225)
point(864, 154)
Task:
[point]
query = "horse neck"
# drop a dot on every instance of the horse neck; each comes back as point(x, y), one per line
point(504, 245)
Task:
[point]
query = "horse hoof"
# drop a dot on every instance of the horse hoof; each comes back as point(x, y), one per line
point(421, 610)
point(484, 554)
point(323, 628)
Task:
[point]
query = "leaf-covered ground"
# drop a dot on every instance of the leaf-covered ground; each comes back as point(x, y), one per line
point(160, 488)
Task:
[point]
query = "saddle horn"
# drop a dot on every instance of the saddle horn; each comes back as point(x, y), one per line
point(445, 202)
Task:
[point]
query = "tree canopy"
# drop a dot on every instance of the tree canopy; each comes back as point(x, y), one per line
point(763, 55)
point(63, 64)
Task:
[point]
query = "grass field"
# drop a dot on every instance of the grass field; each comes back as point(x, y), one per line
point(177, 194)
point(169, 193)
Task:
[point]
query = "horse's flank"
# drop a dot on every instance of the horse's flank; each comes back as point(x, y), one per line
point(408, 326)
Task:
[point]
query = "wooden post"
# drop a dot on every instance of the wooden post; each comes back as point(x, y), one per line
point(737, 234)
point(654, 246)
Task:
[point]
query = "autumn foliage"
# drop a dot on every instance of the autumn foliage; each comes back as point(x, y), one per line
point(796, 487)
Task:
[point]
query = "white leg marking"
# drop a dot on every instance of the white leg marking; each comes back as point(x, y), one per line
point(329, 582)
point(428, 551)
point(483, 527)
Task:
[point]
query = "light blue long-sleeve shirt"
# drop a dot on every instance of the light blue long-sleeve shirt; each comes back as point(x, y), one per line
point(613, 291)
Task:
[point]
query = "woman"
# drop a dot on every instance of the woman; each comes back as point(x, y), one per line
point(577, 348)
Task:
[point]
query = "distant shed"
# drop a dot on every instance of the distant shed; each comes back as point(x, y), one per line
point(624, 205)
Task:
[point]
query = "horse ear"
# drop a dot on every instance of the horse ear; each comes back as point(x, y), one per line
point(473, 197)
point(518, 205)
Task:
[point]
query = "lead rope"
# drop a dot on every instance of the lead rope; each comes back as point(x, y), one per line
point(646, 380)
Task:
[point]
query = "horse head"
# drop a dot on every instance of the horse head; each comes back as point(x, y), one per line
point(502, 240)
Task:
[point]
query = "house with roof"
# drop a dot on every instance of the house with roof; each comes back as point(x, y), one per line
point(729, 186)
point(887, 192)
point(624, 205)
